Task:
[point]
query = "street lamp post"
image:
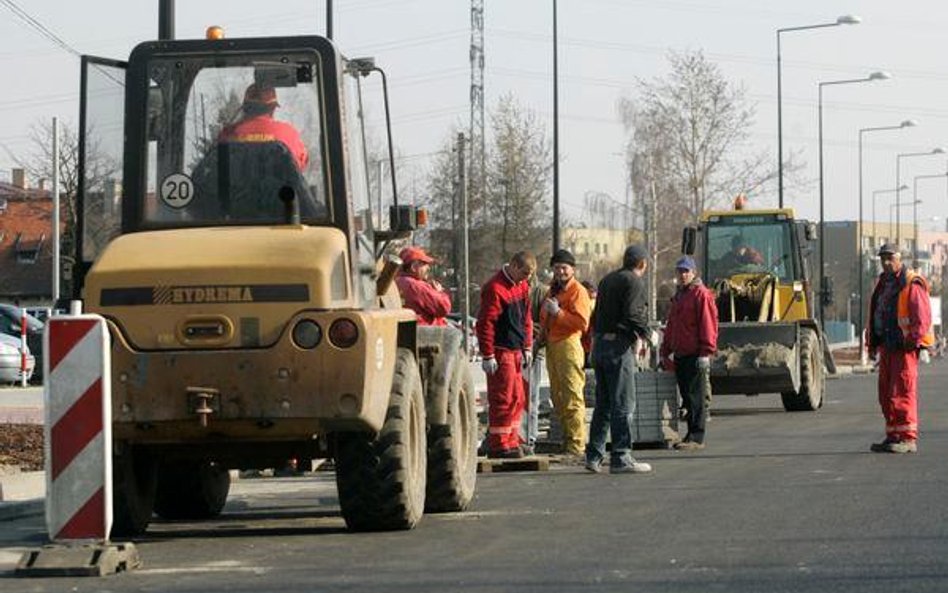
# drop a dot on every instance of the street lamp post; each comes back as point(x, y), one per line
point(847, 19)
point(915, 202)
point(894, 212)
point(878, 75)
point(908, 123)
point(898, 184)
point(875, 195)
point(556, 139)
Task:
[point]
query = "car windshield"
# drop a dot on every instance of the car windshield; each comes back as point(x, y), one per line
point(749, 245)
point(230, 136)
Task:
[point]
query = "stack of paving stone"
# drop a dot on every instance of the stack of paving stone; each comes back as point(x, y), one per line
point(655, 422)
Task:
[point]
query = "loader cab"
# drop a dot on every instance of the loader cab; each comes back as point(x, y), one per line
point(218, 133)
point(756, 262)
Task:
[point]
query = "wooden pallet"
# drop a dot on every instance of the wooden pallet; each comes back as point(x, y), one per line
point(535, 463)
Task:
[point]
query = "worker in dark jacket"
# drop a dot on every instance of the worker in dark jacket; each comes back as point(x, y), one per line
point(620, 320)
point(691, 337)
point(505, 338)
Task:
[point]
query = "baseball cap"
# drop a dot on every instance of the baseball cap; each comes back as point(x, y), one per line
point(888, 249)
point(414, 253)
point(261, 95)
point(686, 263)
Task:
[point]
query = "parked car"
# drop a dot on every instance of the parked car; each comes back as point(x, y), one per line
point(10, 360)
point(10, 317)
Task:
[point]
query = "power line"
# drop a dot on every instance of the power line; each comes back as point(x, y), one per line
point(39, 27)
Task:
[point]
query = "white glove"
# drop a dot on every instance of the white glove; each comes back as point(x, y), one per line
point(489, 365)
point(527, 359)
point(924, 357)
point(551, 306)
point(704, 363)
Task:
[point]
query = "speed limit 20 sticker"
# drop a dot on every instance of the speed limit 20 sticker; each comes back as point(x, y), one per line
point(177, 190)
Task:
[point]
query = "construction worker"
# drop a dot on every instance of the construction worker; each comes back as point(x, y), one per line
point(505, 339)
point(691, 336)
point(620, 322)
point(899, 328)
point(257, 124)
point(420, 292)
point(564, 318)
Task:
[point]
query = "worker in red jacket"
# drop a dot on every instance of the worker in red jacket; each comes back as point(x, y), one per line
point(257, 124)
point(420, 292)
point(505, 339)
point(899, 327)
point(691, 337)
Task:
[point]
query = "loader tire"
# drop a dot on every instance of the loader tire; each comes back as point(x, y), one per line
point(134, 477)
point(452, 448)
point(191, 490)
point(812, 378)
point(381, 478)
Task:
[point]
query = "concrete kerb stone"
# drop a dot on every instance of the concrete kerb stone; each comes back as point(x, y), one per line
point(20, 509)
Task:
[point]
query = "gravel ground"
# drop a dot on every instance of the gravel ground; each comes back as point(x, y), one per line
point(21, 446)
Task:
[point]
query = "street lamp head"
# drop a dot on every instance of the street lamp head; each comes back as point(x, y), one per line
point(938, 150)
point(909, 123)
point(880, 75)
point(848, 19)
point(903, 187)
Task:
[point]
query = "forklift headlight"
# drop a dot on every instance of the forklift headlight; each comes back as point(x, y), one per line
point(306, 334)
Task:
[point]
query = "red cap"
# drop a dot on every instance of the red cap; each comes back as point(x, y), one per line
point(261, 95)
point(413, 254)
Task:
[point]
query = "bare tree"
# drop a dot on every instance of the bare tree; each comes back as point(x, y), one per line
point(37, 162)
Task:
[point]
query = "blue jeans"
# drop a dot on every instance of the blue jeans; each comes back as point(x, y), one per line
point(530, 423)
point(614, 364)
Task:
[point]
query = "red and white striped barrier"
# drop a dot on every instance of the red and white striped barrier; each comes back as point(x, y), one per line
point(78, 428)
point(23, 328)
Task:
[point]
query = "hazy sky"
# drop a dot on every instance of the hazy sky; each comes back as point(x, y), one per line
point(604, 46)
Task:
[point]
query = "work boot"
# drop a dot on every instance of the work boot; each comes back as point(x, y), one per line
point(594, 465)
point(687, 445)
point(528, 450)
point(515, 453)
point(632, 467)
point(902, 447)
point(882, 447)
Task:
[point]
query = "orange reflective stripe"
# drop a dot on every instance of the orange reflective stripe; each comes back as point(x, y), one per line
point(500, 429)
point(901, 427)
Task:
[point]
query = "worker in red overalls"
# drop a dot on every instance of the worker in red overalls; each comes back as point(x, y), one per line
point(505, 339)
point(420, 292)
point(257, 124)
point(899, 327)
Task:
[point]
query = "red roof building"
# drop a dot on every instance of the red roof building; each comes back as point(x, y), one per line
point(26, 248)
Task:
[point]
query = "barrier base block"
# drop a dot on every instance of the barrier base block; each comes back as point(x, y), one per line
point(79, 560)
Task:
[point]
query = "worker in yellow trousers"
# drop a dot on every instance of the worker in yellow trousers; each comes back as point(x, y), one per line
point(564, 318)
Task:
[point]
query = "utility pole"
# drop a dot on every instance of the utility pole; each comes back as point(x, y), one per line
point(476, 131)
point(56, 238)
point(464, 292)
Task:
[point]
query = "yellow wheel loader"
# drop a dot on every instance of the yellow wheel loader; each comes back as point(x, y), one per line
point(249, 292)
point(755, 261)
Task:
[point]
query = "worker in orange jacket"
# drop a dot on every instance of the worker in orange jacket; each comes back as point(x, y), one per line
point(564, 319)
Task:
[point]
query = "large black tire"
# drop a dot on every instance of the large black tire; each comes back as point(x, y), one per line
point(812, 377)
point(191, 490)
point(134, 474)
point(452, 448)
point(381, 478)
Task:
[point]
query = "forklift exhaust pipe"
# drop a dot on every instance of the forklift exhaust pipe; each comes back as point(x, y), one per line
point(165, 19)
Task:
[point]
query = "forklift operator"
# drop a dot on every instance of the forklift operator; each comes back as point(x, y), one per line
point(257, 124)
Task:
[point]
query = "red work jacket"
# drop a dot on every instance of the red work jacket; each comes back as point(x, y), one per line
point(692, 327)
point(263, 128)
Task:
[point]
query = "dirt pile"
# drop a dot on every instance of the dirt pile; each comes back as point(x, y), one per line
point(21, 445)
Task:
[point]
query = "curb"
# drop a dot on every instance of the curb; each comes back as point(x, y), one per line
point(13, 510)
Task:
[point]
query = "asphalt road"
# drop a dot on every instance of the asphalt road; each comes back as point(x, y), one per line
point(777, 502)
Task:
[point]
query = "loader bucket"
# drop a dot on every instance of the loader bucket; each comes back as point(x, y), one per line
point(756, 358)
